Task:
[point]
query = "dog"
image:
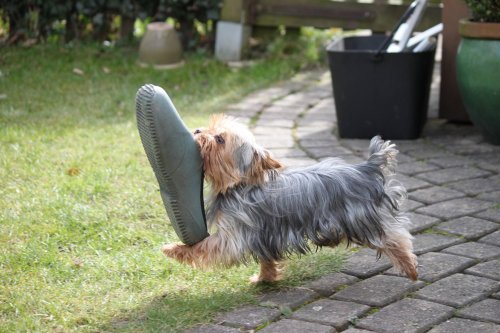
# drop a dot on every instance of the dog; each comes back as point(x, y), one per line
point(264, 211)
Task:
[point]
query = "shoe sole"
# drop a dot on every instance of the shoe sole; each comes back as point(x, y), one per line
point(175, 160)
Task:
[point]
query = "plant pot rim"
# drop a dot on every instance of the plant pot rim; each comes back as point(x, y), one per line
point(479, 30)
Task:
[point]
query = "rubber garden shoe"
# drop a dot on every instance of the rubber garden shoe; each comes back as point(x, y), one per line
point(176, 162)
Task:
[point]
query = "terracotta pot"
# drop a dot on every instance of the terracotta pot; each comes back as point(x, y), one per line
point(160, 46)
point(478, 68)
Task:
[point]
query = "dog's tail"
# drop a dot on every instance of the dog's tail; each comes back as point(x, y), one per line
point(397, 242)
point(383, 154)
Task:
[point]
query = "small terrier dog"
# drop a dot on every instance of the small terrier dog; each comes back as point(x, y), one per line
point(262, 210)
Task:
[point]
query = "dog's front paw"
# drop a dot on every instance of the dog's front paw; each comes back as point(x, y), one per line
point(180, 252)
point(171, 250)
point(255, 278)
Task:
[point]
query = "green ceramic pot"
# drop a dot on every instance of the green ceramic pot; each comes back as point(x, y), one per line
point(478, 75)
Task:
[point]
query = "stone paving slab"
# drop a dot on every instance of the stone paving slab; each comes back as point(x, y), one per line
point(421, 222)
point(276, 113)
point(491, 239)
point(416, 167)
point(328, 284)
point(475, 250)
point(425, 152)
point(288, 152)
point(297, 326)
point(351, 159)
point(403, 158)
point(417, 144)
point(276, 123)
point(451, 161)
point(356, 330)
point(490, 196)
point(331, 312)
point(489, 269)
point(460, 325)
point(433, 266)
point(458, 290)
point(430, 242)
point(333, 151)
point(492, 214)
point(359, 146)
point(449, 175)
point(316, 134)
point(410, 205)
point(468, 227)
point(455, 208)
point(211, 328)
point(476, 186)
point(364, 263)
point(292, 298)
point(486, 310)
point(249, 317)
point(435, 194)
point(411, 183)
point(277, 142)
point(408, 315)
point(379, 290)
point(297, 162)
point(326, 142)
point(490, 166)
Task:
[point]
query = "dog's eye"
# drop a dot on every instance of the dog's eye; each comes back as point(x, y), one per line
point(219, 139)
point(197, 131)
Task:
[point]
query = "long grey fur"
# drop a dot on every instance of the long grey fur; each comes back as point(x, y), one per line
point(325, 204)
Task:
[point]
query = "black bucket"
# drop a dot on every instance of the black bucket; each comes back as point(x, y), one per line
point(385, 94)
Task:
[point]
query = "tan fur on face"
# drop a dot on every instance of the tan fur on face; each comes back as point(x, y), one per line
point(218, 159)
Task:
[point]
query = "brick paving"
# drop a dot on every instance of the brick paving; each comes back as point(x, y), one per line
point(453, 182)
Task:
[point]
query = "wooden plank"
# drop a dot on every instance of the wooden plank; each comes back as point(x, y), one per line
point(231, 10)
point(348, 15)
point(377, 15)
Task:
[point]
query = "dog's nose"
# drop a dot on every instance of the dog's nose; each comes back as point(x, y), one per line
point(197, 131)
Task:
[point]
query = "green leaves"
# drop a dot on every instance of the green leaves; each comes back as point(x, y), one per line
point(484, 10)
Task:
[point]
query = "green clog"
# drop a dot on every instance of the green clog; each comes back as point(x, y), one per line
point(176, 162)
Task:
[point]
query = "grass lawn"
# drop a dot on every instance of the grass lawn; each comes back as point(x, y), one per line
point(81, 219)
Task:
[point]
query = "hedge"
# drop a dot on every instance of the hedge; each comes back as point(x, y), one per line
point(103, 19)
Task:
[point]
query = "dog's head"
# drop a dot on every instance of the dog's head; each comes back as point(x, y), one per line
point(231, 156)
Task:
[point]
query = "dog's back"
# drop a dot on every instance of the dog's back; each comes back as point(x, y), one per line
point(326, 203)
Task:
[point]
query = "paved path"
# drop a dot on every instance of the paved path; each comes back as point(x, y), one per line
point(453, 180)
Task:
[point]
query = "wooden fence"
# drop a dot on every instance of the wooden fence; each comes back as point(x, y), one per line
point(377, 15)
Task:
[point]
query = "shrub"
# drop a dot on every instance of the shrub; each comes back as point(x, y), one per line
point(484, 10)
point(97, 19)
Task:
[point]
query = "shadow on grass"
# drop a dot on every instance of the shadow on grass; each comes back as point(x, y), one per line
point(182, 309)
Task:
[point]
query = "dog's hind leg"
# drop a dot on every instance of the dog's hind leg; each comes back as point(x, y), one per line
point(269, 272)
point(399, 249)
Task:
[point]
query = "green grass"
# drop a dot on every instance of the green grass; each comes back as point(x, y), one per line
point(81, 219)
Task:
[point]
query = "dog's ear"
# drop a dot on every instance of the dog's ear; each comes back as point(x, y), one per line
point(269, 163)
point(262, 164)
